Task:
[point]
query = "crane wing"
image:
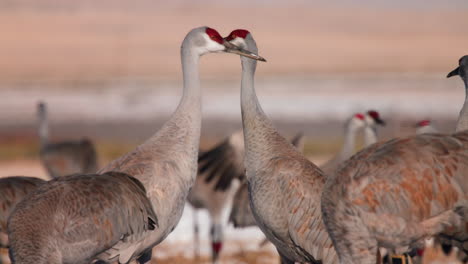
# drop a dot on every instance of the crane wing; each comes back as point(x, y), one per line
point(13, 190)
point(123, 213)
point(406, 181)
point(302, 182)
point(224, 162)
point(241, 213)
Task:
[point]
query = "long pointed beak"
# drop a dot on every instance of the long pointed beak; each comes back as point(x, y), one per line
point(380, 122)
point(231, 48)
point(453, 73)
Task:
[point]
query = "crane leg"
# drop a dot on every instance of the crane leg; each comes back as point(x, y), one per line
point(196, 235)
point(216, 240)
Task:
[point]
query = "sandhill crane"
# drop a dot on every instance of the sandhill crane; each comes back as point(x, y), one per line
point(372, 119)
point(214, 186)
point(59, 159)
point(165, 164)
point(13, 190)
point(241, 213)
point(394, 194)
point(284, 187)
point(358, 121)
point(425, 126)
point(66, 157)
point(352, 126)
point(71, 219)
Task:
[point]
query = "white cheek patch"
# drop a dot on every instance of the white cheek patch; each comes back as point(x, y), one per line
point(358, 122)
point(369, 120)
point(211, 45)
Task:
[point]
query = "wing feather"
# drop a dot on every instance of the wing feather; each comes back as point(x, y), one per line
point(303, 183)
point(224, 162)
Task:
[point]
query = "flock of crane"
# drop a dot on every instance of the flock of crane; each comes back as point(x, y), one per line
point(390, 196)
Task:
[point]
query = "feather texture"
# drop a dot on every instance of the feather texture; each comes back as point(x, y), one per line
point(69, 231)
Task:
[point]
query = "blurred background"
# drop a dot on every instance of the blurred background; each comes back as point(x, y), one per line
point(110, 69)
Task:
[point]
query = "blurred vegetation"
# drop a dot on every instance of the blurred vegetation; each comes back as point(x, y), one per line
point(13, 149)
point(108, 151)
point(28, 148)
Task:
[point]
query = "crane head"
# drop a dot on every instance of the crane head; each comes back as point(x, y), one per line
point(204, 40)
point(216, 43)
point(423, 123)
point(357, 121)
point(41, 106)
point(237, 38)
point(462, 69)
point(238, 33)
point(214, 35)
point(359, 116)
point(373, 117)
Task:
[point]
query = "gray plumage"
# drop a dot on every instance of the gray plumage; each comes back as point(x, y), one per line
point(284, 187)
point(425, 126)
point(13, 190)
point(166, 163)
point(368, 122)
point(396, 193)
point(223, 163)
point(241, 213)
point(66, 157)
point(59, 159)
point(71, 219)
point(373, 120)
point(352, 127)
point(214, 186)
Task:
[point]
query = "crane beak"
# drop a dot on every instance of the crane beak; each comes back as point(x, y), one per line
point(453, 73)
point(231, 48)
point(380, 121)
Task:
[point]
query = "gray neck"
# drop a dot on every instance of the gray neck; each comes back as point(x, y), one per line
point(190, 103)
point(262, 141)
point(462, 123)
point(370, 135)
point(43, 128)
point(178, 139)
point(349, 143)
